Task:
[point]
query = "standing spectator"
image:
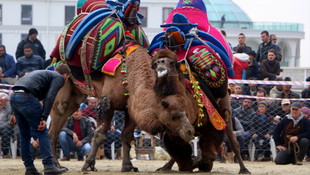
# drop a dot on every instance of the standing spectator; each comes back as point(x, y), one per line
point(253, 67)
point(7, 64)
point(274, 39)
point(240, 63)
point(264, 47)
point(261, 129)
point(245, 115)
point(31, 115)
point(294, 128)
point(270, 68)
point(36, 45)
point(224, 34)
point(29, 62)
point(90, 110)
point(6, 130)
point(76, 136)
point(277, 89)
point(222, 21)
point(241, 41)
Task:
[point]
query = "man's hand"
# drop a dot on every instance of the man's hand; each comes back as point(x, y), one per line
point(267, 135)
point(42, 125)
point(79, 144)
point(12, 120)
point(75, 138)
point(254, 135)
point(294, 139)
point(35, 143)
point(112, 128)
point(281, 148)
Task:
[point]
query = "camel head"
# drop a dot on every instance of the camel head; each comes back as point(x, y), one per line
point(166, 63)
point(174, 117)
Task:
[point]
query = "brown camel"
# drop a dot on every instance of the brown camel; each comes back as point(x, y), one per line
point(144, 107)
point(210, 138)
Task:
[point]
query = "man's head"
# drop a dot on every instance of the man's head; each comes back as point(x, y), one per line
point(92, 102)
point(278, 86)
point(4, 99)
point(63, 70)
point(286, 105)
point(247, 103)
point(238, 89)
point(2, 50)
point(77, 114)
point(28, 50)
point(260, 93)
point(264, 35)
point(32, 34)
point(271, 55)
point(241, 38)
point(296, 110)
point(273, 38)
point(252, 56)
point(262, 107)
point(232, 87)
point(287, 87)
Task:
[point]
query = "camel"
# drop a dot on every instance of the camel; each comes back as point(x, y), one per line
point(210, 138)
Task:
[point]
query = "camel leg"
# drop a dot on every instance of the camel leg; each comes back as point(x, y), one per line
point(180, 151)
point(105, 114)
point(127, 138)
point(225, 111)
point(66, 102)
point(168, 166)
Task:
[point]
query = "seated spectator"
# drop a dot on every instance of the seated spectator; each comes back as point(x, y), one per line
point(245, 114)
point(253, 67)
point(76, 136)
point(281, 111)
point(277, 89)
point(114, 134)
point(292, 129)
point(306, 92)
point(259, 93)
point(261, 129)
point(238, 91)
point(232, 87)
point(270, 68)
point(29, 62)
point(240, 63)
point(3, 81)
point(6, 130)
point(305, 112)
point(251, 89)
point(7, 64)
point(90, 110)
point(286, 92)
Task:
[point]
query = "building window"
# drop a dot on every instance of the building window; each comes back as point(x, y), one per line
point(0, 14)
point(166, 12)
point(143, 11)
point(69, 14)
point(27, 14)
point(23, 36)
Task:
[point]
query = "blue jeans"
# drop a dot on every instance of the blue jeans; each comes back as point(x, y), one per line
point(264, 148)
point(28, 112)
point(67, 145)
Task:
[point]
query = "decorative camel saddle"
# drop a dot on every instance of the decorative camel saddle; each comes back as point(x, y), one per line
point(203, 49)
point(100, 37)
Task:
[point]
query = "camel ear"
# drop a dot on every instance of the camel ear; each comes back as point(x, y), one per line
point(165, 104)
point(154, 65)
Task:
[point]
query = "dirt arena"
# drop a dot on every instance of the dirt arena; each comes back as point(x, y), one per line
point(147, 167)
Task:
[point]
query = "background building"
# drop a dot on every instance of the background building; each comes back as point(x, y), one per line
point(50, 17)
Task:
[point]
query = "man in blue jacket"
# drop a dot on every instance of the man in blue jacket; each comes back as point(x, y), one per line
point(7, 64)
point(291, 131)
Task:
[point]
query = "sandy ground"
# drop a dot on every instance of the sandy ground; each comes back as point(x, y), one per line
point(147, 167)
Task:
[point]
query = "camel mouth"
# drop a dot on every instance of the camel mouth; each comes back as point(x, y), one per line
point(161, 73)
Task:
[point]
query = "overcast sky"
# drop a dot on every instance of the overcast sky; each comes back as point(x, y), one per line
point(296, 11)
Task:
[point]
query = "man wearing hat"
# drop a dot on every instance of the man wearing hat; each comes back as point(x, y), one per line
point(31, 39)
point(292, 132)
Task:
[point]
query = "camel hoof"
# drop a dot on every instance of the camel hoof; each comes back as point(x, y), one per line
point(244, 171)
point(129, 169)
point(94, 169)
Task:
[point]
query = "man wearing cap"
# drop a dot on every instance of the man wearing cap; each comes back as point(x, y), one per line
point(261, 128)
point(31, 39)
point(292, 131)
point(281, 111)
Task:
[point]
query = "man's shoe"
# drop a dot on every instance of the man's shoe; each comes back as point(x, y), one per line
point(65, 158)
point(54, 171)
point(32, 171)
point(299, 162)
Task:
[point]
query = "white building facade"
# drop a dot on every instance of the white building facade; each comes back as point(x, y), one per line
point(49, 17)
